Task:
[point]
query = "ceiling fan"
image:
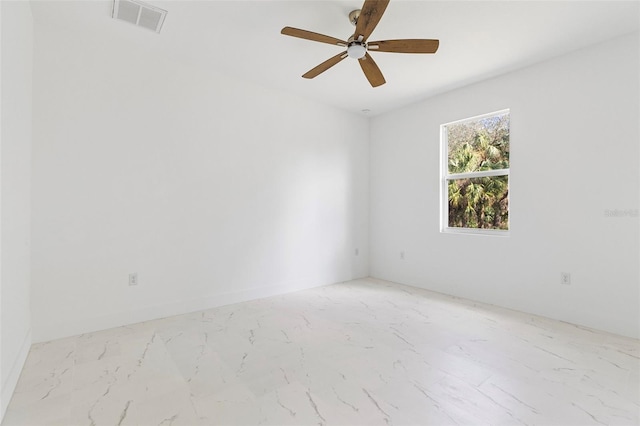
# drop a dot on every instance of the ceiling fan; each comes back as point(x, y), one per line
point(357, 45)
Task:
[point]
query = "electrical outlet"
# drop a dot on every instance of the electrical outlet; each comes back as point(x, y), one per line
point(402, 255)
point(357, 252)
point(133, 279)
point(565, 278)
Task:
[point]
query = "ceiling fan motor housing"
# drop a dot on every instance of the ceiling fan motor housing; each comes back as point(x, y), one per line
point(356, 49)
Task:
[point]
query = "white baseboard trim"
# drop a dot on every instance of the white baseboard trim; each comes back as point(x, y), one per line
point(53, 331)
point(14, 374)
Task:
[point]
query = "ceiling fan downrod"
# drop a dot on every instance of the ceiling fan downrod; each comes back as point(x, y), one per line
point(353, 16)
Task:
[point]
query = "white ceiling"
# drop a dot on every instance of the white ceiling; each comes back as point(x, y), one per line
point(478, 40)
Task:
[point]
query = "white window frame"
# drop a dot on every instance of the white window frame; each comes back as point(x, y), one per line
point(445, 177)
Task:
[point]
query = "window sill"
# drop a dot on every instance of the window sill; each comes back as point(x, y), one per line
point(473, 231)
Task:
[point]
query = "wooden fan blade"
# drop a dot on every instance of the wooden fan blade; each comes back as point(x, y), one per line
point(370, 15)
point(371, 71)
point(405, 46)
point(309, 35)
point(314, 72)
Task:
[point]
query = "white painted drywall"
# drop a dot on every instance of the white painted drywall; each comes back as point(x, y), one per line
point(15, 194)
point(212, 189)
point(574, 155)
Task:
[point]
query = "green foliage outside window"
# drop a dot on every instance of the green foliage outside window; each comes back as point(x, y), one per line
point(478, 146)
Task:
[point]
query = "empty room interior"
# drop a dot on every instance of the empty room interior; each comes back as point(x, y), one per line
point(304, 212)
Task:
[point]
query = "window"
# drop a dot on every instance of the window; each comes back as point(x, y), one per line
point(475, 174)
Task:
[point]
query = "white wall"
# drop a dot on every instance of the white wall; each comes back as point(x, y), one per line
point(15, 176)
point(211, 189)
point(574, 154)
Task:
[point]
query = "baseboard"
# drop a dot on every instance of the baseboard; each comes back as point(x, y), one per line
point(53, 331)
point(527, 310)
point(14, 374)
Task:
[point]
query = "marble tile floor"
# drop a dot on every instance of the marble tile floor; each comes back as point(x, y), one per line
point(364, 352)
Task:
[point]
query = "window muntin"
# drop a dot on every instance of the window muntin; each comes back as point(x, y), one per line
point(475, 178)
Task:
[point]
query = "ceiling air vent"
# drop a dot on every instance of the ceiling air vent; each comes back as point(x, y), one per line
point(139, 13)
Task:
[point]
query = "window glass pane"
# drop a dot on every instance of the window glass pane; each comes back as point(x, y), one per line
point(480, 203)
point(478, 145)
